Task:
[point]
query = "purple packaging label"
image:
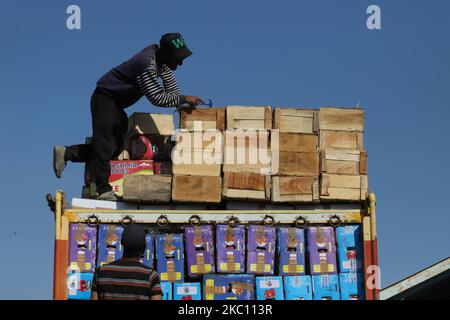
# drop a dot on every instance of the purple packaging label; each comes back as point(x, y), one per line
point(228, 287)
point(109, 246)
point(261, 249)
point(291, 250)
point(199, 250)
point(322, 250)
point(170, 257)
point(82, 247)
point(230, 246)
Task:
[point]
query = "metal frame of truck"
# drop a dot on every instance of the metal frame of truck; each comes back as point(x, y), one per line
point(365, 216)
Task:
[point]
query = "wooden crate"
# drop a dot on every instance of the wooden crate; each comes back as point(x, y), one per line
point(147, 188)
point(335, 187)
point(296, 164)
point(340, 139)
point(289, 120)
point(197, 153)
point(196, 189)
point(209, 118)
point(244, 185)
point(294, 142)
point(342, 119)
point(343, 161)
point(295, 189)
point(244, 153)
point(257, 118)
point(150, 123)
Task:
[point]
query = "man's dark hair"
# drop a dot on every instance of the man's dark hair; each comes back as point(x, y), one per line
point(133, 241)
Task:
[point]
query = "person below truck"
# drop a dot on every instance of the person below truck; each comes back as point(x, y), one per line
point(127, 278)
point(118, 89)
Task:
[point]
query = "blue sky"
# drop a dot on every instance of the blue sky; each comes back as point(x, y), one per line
point(279, 53)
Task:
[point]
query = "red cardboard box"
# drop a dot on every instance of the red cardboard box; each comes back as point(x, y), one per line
point(119, 169)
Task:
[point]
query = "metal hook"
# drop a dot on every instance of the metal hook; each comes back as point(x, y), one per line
point(233, 222)
point(334, 221)
point(268, 220)
point(92, 221)
point(300, 222)
point(162, 221)
point(126, 221)
point(194, 220)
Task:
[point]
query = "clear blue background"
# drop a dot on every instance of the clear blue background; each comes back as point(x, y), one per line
point(280, 53)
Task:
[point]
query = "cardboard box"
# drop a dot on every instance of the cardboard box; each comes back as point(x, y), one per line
point(292, 120)
point(230, 246)
point(291, 251)
point(147, 123)
point(199, 250)
point(109, 246)
point(254, 118)
point(166, 288)
point(261, 250)
point(350, 250)
point(170, 257)
point(187, 291)
point(203, 119)
point(269, 288)
point(151, 147)
point(321, 250)
point(79, 286)
point(352, 286)
point(82, 247)
point(298, 288)
point(326, 287)
point(228, 287)
point(119, 169)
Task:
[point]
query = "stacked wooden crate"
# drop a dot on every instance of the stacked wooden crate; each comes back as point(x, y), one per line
point(342, 156)
point(296, 173)
point(197, 156)
point(150, 139)
point(247, 164)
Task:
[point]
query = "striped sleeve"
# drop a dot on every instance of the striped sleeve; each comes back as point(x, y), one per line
point(155, 93)
point(169, 82)
point(155, 285)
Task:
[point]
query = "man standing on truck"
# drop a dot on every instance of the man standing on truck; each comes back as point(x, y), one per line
point(127, 278)
point(118, 89)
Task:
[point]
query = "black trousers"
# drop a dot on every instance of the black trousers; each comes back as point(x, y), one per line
point(109, 125)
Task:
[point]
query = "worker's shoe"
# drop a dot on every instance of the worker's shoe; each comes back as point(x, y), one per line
point(108, 196)
point(59, 163)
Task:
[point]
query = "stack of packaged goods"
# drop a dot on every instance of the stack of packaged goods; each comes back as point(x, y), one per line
point(296, 176)
point(350, 257)
point(227, 261)
point(342, 157)
point(247, 160)
point(197, 157)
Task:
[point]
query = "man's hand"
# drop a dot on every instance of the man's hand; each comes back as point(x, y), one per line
point(193, 101)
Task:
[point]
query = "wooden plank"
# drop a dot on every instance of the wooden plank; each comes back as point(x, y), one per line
point(295, 189)
point(295, 142)
point(187, 140)
point(340, 139)
point(297, 164)
point(147, 189)
point(239, 117)
point(346, 119)
point(196, 189)
point(208, 118)
point(148, 123)
point(290, 120)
